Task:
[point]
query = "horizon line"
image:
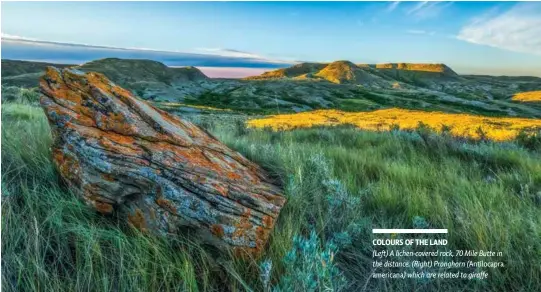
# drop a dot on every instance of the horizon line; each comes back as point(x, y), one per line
point(260, 69)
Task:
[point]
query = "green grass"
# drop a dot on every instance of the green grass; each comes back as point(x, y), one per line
point(340, 182)
point(246, 106)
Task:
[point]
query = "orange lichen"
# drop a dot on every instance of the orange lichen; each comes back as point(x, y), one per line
point(98, 80)
point(243, 225)
point(67, 165)
point(217, 230)
point(233, 175)
point(137, 220)
point(115, 142)
point(260, 232)
point(166, 204)
point(120, 91)
point(95, 200)
point(261, 238)
point(196, 157)
point(464, 125)
point(268, 221)
point(117, 122)
point(104, 208)
point(222, 190)
point(108, 177)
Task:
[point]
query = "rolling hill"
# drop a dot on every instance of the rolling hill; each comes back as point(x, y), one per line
point(148, 79)
point(347, 72)
point(290, 72)
point(24, 73)
point(340, 85)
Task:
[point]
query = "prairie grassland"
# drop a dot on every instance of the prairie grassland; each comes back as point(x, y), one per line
point(340, 182)
point(462, 125)
point(529, 96)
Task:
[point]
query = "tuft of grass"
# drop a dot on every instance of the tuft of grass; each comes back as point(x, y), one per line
point(20, 95)
point(340, 182)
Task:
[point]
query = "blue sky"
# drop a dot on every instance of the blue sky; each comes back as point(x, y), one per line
point(471, 37)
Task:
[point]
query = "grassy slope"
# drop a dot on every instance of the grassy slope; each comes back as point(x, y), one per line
point(363, 100)
point(14, 67)
point(487, 194)
point(24, 73)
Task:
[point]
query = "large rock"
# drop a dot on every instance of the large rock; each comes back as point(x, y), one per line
point(163, 174)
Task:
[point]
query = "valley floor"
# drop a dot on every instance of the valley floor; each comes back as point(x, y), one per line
point(340, 183)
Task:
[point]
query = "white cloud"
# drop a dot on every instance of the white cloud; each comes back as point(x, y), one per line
point(229, 53)
point(15, 37)
point(392, 6)
point(424, 10)
point(21, 39)
point(239, 54)
point(418, 7)
point(518, 29)
point(218, 52)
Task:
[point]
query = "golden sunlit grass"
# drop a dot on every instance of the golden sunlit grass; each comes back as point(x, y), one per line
point(464, 125)
point(338, 72)
point(528, 96)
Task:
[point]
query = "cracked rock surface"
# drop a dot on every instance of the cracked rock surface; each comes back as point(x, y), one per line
point(162, 174)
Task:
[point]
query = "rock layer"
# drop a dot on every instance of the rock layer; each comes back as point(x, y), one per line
point(163, 174)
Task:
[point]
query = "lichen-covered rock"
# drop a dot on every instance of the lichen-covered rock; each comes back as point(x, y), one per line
point(163, 174)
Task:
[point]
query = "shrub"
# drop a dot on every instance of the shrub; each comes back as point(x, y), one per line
point(529, 139)
point(446, 130)
point(265, 269)
point(424, 132)
point(240, 128)
point(420, 222)
point(481, 134)
point(340, 204)
point(311, 267)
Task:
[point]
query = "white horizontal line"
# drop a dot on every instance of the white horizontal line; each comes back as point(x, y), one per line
point(409, 230)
